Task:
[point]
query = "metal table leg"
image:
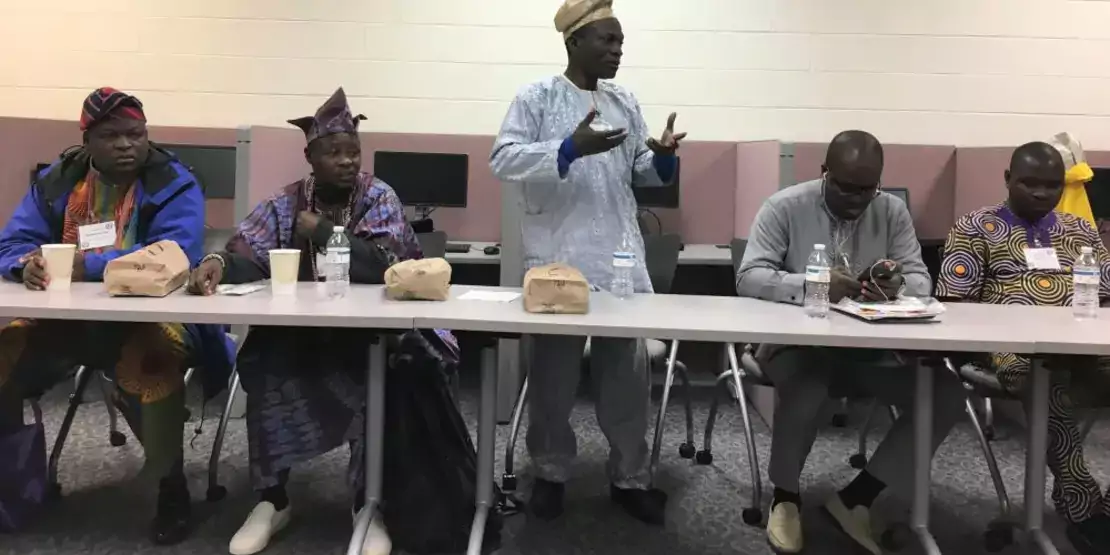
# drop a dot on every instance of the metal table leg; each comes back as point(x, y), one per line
point(923, 458)
point(375, 428)
point(1035, 456)
point(487, 440)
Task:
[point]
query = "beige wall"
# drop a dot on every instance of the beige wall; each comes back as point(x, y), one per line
point(963, 72)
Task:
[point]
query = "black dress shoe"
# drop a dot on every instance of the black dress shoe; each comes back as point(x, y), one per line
point(172, 521)
point(1090, 537)
point(646, 505)
point(546, 502)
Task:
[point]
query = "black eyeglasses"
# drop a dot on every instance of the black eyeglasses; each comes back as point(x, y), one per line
point(859, 192)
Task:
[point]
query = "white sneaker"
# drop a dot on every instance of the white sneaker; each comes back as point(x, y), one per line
point(855, 522)
point(784, 528)
point(263, 523)
point(377, 539)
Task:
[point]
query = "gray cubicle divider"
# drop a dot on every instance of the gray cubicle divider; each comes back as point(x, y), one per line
point(242, 173)
point(242, 210)
point(786, 165)
point(511, 361)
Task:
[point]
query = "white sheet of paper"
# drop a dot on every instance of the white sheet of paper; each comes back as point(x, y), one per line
point(96, 236)
point(240, 289)
point(492, 296)
point(1042, 259)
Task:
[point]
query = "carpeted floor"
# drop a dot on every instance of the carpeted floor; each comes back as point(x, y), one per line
point(105, 510)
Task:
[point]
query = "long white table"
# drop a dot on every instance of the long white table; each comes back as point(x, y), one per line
point(365, 307)
point(964, 328)
point(690, 255)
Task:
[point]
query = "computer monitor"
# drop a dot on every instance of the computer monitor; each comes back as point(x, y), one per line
point(901, 193)
point(214, 167)
point(1098, 193)
point(660, 197)
point(425, 179)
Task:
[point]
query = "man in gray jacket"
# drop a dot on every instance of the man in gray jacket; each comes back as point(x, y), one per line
point(863, 229)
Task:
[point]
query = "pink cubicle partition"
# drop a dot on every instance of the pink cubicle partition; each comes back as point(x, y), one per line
point(27, 142)
point(708, 176)
point(928, 172)
point(980, 179)
point(758, 175)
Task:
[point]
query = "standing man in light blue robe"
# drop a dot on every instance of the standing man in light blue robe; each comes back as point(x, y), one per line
point(576, 144)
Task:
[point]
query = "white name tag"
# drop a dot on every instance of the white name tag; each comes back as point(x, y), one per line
point(321, 264)
point(1042, 259)
point(96, 236)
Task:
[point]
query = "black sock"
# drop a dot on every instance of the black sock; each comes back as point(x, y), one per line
point(862, 491)
point(277, 496)
point(783, 496)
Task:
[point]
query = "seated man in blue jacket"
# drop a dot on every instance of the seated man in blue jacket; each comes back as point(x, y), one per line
point(116, 181)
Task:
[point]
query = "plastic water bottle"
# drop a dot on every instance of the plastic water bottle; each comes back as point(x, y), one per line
point(817, 283)
point(1085, 276)
point(624, 261)
point(337, 277)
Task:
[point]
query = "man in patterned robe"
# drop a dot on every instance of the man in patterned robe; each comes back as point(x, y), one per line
point(305, 386)
point(1022, 252)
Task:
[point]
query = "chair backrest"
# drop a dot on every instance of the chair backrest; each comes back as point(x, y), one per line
point(215, 240)
point(661, 258)
point(433, 243)
point(737, 247)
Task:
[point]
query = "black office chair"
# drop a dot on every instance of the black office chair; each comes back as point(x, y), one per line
point(661, 258)
point(433, 243)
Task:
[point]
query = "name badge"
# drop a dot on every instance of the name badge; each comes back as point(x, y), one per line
point(321, 264)
point(1042, 259)
point(96, 236)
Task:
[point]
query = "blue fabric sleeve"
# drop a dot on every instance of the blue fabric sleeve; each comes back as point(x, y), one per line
point(181, 221)
point(27, 230)
point(665, 166)
point(567, 155)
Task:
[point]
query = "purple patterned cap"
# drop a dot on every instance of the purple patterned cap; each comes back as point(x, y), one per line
point(333, 117)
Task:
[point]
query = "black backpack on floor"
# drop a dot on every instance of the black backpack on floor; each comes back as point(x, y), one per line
point(429, 461)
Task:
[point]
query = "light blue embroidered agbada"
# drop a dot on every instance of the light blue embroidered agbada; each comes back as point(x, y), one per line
point(582, 217)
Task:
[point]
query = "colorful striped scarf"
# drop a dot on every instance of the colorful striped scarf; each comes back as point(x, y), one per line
point(93, 201)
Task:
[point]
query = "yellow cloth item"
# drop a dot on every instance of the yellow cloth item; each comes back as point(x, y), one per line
point(576, 14)
point(1074, 200)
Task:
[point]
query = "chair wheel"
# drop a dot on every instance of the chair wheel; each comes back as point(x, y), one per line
point(508, 482)
point(117, 439)
point(753, 516)
point(858, 461)
point(704, 457)
point(216, 493)
point(896, 537)
point(999, 536)
point(686, 450)
point(53, 492)
point(840, 420)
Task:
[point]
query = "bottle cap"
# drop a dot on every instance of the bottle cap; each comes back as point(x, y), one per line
point(338, 229)
point(819, 247)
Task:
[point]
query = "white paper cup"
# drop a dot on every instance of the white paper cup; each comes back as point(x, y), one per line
point(59, 266)
point(285, 265)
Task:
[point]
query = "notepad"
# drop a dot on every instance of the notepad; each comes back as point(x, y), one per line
point(491, 296)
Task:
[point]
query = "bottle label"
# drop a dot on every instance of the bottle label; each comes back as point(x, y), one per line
point(624, 260)
point(1085, 276)
point(817, 274)
point(339, 256)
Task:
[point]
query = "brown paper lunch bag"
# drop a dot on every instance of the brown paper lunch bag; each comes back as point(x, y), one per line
point(153, 271)
point(428, 279)
point(556, 289)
